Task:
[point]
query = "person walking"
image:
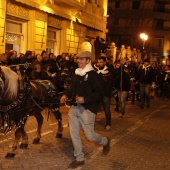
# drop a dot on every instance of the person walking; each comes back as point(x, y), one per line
point(106, 79)
point(122, 83)
point(146, 78)
point(86, 90)
point(166, 82)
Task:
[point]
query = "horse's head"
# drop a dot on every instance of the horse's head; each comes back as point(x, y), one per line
point(8, 85)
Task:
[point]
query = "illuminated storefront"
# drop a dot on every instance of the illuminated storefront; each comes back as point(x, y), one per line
point(53, 25)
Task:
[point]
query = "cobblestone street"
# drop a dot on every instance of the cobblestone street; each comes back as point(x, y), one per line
point(139, 141)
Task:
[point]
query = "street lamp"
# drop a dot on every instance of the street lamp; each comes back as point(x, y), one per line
point(144, 37)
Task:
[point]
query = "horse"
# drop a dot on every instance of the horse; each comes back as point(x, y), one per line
point(20, 98)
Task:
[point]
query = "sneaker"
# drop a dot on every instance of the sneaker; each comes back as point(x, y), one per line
point(108, 127)
point(106, 148)
point(75, 164)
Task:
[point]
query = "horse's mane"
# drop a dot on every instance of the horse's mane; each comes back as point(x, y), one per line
point(11, 84)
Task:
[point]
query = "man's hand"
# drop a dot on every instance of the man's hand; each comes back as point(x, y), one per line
point(63, 99)
point(79, 99)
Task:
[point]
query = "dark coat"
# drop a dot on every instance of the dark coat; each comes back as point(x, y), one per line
point(146, 78)
point(89, 87)
point(107, 83)
point(123, 85)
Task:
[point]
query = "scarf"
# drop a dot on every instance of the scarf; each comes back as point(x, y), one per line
point(82, 72)
point(146, 68)
point(103, 71)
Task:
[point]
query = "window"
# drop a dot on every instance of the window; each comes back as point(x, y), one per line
point(135, 22)
point(116, 22)
point(159, 24)
point(51, 40)
point(135, 4)
point(13, 35)
point(13, 27)
point(117, 4)
point(89, 1)
point(157, 43)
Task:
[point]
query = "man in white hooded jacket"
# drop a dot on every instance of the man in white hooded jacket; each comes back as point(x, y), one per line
point(86, 90)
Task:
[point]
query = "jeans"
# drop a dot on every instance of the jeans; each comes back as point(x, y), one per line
point(106, 106)
point(145, 94)
point(80, 117)
point(122, 99)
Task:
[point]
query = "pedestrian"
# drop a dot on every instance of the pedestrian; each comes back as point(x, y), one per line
point(86, 90)
point(106, 79)
point(166, 81)
point(146, 78)
point(122, 83)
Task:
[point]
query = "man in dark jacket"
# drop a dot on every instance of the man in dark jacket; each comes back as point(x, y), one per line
point(122, 83)
point(86, 90)
point(146, 77)
point(106, 78)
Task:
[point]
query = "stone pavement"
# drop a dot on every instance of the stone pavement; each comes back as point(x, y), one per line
point(139, 141)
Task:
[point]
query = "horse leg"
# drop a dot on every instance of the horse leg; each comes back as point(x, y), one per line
point(58, 116)
point(39, 118)
point(24, 143)
point(12, 152)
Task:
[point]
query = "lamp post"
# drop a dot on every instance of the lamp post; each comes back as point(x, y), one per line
point(144, 37)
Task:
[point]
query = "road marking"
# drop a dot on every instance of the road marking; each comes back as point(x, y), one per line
point(5, 140)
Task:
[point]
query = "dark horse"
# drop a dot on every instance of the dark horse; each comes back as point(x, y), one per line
point(20, 98)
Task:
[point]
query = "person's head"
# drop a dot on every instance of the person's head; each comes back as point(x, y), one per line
point(39, 57)
point(28, 54)
point(167, 68)
point(44, 55)
point(101, 62)
point(38, 68)
point(117, 65)
point(33, 54)
point(146, 62)
point(46, 67)
point(83, 58)
point(3, 57)
point(51, 56)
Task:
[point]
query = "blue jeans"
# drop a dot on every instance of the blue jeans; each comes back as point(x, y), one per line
point(145, 94)
point(106, 106)
point(80, 117)
point(122, 101)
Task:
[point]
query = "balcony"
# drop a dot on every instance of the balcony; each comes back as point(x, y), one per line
point(70, 4)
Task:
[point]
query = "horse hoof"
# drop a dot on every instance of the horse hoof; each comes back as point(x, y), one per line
point(36, 141)
point(24, 146)
point(9, 155)
point(59, 135)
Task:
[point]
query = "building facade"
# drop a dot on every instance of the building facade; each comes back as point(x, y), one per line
point(53, 25)
point(129, 18)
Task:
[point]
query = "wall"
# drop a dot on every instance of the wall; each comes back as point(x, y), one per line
point(2, 25)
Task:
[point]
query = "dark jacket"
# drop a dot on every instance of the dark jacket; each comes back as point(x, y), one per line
point(107, 83)
point(89, 87)
point(146, 78)
point(124, 82)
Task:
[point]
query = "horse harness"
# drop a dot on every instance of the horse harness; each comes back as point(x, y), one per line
point(24, 89)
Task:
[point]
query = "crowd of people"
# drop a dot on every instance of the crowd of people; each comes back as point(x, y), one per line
point(92, 84)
